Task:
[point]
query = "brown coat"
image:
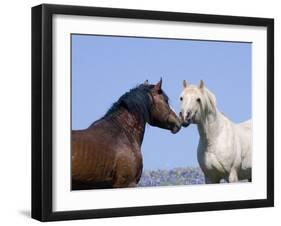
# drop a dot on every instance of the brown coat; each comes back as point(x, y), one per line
point(108, 153)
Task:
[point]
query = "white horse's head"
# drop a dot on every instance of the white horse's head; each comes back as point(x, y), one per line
point(196, 103)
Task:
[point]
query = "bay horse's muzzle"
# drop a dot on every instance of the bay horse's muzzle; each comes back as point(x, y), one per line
point(175, 121)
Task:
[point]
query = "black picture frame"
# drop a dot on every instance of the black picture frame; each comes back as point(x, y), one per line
point(42, 107)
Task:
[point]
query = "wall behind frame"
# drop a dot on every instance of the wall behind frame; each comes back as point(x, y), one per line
point(15, 111)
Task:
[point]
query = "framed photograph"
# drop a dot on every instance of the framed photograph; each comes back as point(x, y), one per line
point(146, 112)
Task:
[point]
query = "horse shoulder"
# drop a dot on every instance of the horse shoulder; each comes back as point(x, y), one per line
point(207, 157)
point(233, 146)
point(219, 152)
point(209, 162)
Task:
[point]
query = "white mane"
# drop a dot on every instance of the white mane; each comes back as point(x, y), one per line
point(208, 101)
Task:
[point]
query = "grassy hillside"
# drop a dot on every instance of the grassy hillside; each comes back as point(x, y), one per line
point(177, 176)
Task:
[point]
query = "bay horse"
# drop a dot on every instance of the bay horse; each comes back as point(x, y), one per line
point(108, 153)
point(225, 148)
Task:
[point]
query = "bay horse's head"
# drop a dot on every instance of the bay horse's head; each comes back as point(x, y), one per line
point(161, 114)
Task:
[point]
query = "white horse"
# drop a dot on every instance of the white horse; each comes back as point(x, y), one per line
point(224, 150)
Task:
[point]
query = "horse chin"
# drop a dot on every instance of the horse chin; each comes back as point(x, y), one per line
point(175, 129)
point(186, 124)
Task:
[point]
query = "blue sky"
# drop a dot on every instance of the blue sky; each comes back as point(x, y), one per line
point(104, 67)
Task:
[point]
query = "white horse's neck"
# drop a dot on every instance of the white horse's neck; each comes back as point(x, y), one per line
point(210, 124)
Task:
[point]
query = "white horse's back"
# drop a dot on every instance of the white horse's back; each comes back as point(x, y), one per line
point(246, 125)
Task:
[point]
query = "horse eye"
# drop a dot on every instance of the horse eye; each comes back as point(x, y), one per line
point(181, 98)
point(198, 100)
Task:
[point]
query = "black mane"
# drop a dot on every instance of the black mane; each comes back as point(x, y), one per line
point(137, 101)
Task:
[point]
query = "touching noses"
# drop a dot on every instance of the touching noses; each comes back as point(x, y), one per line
point(187, 116)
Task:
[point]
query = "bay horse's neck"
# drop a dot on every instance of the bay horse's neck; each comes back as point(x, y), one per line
point(132, 124)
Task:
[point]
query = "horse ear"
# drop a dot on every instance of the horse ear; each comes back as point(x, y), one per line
point(158, 86)
point(201, 85)
point(146, 82)
point(184, 83)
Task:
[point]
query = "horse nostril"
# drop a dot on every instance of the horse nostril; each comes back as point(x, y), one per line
point(187, 114)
